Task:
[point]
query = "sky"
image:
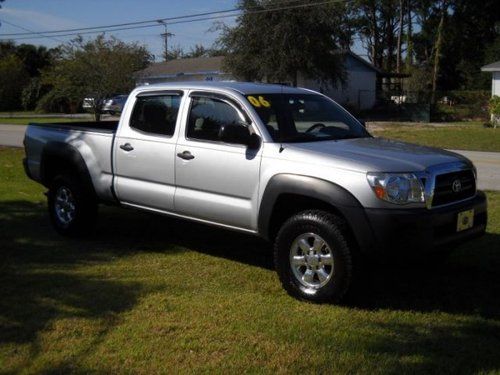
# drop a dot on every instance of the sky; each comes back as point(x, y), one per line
point(44, 15)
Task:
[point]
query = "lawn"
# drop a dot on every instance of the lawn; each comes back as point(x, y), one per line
point(147, 294)
point(457, 136)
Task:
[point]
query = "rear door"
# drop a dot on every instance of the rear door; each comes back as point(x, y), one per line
point(145, 151)
point(216, 181)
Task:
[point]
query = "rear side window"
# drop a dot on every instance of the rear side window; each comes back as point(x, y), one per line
point(156, 114)
point(208, 115)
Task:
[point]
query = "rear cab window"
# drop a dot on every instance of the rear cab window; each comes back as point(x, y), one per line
point(156, 114)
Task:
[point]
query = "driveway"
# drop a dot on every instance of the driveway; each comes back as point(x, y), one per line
point(12, 135)
point(488, 168)
point(487, 163)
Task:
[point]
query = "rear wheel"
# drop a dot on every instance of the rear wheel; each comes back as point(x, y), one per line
point(72, 210)
point(313, 257)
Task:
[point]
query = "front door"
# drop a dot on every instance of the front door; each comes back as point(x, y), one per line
point(216, 181)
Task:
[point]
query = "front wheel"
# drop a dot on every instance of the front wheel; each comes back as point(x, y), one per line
point(72, 210)
point(313, 257)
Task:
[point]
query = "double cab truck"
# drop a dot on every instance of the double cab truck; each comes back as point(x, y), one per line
point(287, 164)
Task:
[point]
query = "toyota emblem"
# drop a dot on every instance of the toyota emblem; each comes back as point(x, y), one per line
point(456, 186)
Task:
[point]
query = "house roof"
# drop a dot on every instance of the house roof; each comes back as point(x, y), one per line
point(208, 65)
point(190, 66)
point(494, 67)
point(363, 61)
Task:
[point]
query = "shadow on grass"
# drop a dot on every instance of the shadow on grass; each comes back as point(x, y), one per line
point(467, 282)
point(39, 281)
point(34, 262)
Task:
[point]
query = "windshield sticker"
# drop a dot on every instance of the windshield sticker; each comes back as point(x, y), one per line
point(260, 102)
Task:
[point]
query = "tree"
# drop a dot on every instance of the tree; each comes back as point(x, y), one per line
point(174, 53)
point(278, 45)
point(7, 48)
point(97, 68)
point(468, 28)
point(35, 58)
point(443, 7)
point(198, 51)
point(380, 25)
point(13, 77)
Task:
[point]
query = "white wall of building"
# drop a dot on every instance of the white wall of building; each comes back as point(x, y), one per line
point(495, 84)
point(359, 90)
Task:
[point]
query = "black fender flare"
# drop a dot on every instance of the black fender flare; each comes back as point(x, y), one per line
point(72, 157)
point(325, 191)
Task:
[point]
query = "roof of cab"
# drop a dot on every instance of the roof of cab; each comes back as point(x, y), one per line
point(243, 88)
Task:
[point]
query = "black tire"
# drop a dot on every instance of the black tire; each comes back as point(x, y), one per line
point(333, 231)
point(85, 207)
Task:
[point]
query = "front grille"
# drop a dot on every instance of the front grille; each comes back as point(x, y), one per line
point(444, 192)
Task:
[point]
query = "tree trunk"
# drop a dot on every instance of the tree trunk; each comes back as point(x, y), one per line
point(375, 37)
point(97, 114)
point(400, 36)
point(409, 37)
point(437, 50)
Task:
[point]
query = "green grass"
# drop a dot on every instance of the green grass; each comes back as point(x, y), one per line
point(27, 120)
point(17, 113)
point(148, 294)
point(458, 136)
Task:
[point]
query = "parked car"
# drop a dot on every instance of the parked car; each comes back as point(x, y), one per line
point(114, 105)
point(286, 164)
point(88, 103)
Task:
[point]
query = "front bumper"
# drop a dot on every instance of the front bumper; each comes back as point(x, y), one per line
point(424, 230)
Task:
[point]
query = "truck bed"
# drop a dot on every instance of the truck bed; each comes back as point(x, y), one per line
point(94, 126)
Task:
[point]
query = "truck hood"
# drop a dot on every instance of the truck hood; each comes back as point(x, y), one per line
point(374, 154)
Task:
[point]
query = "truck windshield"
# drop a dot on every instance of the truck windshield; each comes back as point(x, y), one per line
point(305, 118)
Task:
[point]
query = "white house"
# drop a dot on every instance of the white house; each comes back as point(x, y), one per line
point(358, 91)
point(495, 80)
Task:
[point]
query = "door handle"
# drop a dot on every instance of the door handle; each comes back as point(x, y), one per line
point(126, 147)
point(186, 155)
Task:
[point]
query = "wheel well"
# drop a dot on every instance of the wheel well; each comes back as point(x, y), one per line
point(54, 165)
point(288, 205)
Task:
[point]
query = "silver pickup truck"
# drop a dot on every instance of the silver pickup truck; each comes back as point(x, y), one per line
point(287, 164)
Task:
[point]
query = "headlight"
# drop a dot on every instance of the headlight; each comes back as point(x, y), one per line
point(399, 188)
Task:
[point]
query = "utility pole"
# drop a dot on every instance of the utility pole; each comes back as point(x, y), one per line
point(165, 35)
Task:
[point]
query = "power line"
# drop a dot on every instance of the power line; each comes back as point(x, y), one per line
point(35, 32)
point(141, 22)
point(181, 20)
point(122, 24)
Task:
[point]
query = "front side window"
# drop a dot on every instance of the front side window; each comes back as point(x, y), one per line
point(304, 118)
point(208, 115)
point(156, 114)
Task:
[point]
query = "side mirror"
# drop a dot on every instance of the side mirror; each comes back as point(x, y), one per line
point(239, 134)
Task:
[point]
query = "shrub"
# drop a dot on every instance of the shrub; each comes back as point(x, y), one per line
point(494, 107)
point(54, 101)
point(32, 93)
point(461, 106)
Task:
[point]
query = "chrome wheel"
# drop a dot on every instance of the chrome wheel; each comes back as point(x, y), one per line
point(311, 260)
point(64, 206)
